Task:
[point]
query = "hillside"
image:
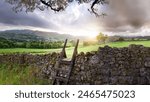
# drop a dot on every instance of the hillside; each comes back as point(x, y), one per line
point(31, 35)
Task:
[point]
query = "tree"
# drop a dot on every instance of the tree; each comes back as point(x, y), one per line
point(101, 38)
point(55, 5)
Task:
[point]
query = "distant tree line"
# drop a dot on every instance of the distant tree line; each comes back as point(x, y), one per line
point(5, 43)
point(103, 38)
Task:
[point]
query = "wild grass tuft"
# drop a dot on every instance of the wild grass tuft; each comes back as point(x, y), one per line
point(13, 74)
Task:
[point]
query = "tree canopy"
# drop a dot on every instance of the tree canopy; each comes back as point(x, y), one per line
point(101, 38)
point(55, 5)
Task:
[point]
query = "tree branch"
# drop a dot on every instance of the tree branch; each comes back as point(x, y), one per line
point(50, 5)
point(97, 2)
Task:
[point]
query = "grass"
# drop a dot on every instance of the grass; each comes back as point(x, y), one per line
point(70, 50)
point(25, 50)
point(13, 74)
point(127, 43)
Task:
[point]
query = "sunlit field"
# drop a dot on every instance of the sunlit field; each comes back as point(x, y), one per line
point(70, 49)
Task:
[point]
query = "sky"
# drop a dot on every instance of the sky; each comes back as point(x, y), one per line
point(124, 17)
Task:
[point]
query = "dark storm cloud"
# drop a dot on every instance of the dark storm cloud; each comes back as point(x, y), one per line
point(126, 15)
point(9, 17)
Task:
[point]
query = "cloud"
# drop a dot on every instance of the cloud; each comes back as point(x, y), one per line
point(73, 18)
point(126, 15)
point(9, 17)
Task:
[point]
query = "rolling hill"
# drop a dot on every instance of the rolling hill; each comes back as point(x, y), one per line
point(34, 35)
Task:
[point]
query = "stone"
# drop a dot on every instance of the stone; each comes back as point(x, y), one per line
point(147, 63)
point(143, 72)
point(94, 59)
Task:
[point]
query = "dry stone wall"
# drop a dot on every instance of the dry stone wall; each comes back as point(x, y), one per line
point(113, 66)
point(128, 65)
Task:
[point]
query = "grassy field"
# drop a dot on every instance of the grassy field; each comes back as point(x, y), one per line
point(70, 50)
point(127, 43)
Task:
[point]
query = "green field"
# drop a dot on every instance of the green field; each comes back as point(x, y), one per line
point(70, 50)
point(127, 43)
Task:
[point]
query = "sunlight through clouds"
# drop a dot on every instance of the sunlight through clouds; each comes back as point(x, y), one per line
point(122, 18)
